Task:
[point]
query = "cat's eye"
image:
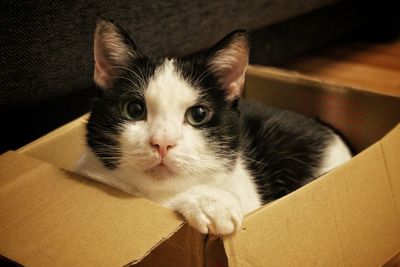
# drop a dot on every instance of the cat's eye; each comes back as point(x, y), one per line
point(198, 115)
point(134, 110)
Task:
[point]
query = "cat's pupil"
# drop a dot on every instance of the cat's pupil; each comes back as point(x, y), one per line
point(198, 115)
point(135, 110)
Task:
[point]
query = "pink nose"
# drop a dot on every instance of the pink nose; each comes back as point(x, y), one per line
point(162, 146)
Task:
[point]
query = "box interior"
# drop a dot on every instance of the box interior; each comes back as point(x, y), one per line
point(361, 117)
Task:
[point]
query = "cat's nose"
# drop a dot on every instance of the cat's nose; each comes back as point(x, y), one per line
point(162, 146)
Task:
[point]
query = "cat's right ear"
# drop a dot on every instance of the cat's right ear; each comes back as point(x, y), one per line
point(113, 51)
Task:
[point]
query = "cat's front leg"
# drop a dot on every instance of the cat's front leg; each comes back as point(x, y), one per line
point(208, 209)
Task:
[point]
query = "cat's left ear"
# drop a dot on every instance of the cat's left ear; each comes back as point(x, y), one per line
point(113, 51)
point(228, 60)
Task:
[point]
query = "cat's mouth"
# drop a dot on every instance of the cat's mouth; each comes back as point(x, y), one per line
point(161, 170)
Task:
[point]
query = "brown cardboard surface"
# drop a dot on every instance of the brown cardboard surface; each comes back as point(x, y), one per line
point(363, 117)
point(51, 217)
point(349, 217)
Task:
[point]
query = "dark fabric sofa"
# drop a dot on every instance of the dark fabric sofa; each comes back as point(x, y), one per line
point(46, 61)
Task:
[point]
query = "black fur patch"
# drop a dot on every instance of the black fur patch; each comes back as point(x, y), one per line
point(282, 149)
point(103, 128)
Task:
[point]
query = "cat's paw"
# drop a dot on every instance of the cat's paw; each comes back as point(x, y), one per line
point(209, 210)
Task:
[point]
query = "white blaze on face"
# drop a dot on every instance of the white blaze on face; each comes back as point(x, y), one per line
point(168, 96)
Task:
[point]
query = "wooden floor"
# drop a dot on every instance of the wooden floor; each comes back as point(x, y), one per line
point(372, 67)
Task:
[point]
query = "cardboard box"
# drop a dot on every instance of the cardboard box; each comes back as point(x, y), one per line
point(50, 216)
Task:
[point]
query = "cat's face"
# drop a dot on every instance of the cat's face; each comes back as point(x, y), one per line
point(168, 118)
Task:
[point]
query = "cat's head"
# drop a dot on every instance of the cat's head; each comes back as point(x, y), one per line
point(168, 118)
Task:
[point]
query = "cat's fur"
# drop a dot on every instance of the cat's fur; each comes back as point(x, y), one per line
point(244, 156)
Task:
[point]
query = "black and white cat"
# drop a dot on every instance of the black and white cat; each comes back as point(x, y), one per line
point(174, 131)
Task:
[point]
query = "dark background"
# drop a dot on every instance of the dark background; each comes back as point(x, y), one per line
point(46, 58)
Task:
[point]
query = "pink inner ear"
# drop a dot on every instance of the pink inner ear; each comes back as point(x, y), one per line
point(234, 81)
point(230, 64)
point(104, 72)
point(110, 52)
point(102, 76)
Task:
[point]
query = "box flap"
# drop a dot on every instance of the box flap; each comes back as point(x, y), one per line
point(51, 217)
point(349, 217)
point(61, 147)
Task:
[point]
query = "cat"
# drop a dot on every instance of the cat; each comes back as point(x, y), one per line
point(175, 131)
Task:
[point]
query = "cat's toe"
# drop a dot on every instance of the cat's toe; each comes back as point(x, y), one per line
point(199, 221)
point(223, 220)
